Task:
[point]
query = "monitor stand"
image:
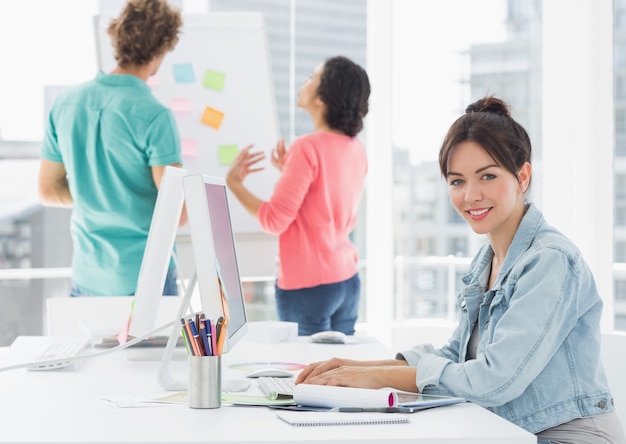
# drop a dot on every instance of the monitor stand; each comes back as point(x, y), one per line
point(164, 376)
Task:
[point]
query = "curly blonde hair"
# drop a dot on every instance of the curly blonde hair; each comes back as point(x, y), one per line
point(145, 29)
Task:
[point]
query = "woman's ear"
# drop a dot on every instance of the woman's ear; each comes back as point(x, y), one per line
point(524, 175)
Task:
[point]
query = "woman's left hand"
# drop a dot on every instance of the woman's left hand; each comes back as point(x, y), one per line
point(349, 376)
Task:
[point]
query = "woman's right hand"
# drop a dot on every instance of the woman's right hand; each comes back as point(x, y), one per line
point(317, 368)
point(244, 164)
point(278, 154)
point(364, 374)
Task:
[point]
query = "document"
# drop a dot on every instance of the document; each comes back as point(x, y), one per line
point(357, 399)
point(330, 396)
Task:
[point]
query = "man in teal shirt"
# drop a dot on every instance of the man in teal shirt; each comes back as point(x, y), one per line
point(106, 146)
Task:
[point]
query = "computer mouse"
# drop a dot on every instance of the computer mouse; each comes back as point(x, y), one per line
point(269, 371)
point(328, 337)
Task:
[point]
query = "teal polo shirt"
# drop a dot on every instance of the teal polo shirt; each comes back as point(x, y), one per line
point(108, 133)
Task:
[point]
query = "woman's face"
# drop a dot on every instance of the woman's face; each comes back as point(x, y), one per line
point(487, 196)
point(307, 97)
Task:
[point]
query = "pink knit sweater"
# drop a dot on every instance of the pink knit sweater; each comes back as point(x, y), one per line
point(314, 208)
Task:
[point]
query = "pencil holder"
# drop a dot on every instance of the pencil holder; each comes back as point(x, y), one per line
point(205, 382)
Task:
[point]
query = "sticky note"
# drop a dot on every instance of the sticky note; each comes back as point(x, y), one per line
point(227, 153)
point(189, 147)
point(178, 105)
point(213, 80)
point(153, 81)
point(183, 73)
point(212, 117)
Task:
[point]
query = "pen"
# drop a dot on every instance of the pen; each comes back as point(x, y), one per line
point(221, 336)
point(218, 326)
point(213, 330)
point(370, 409)
point(203, 335)
point(196, 338)
point(194, 346)
point(185, 337)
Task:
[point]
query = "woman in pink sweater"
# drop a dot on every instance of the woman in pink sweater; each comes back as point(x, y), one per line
point(314, 205)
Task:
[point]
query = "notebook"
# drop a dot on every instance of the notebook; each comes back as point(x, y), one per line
point(309, 419)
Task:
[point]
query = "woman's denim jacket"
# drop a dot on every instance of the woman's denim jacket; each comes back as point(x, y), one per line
point(538, 357)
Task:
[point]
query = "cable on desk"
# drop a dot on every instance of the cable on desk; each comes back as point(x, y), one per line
point(90, 355)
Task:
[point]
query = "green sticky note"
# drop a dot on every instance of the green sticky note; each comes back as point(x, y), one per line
point(227, 153)
point(214, 80)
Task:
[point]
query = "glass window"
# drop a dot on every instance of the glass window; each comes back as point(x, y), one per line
point(442, 60)
point(620, 214)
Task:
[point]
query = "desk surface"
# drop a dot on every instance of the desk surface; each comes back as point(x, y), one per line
point(65, 406)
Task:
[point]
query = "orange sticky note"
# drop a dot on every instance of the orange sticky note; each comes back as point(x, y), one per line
point(212, 117)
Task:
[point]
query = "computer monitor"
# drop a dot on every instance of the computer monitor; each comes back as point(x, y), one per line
point(157, 254)
point(215, 254)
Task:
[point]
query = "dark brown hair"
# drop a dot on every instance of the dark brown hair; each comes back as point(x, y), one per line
point(345, 89)
point(145, 29)
point(488, 122)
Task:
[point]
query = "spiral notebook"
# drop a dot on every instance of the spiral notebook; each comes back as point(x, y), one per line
point(309, 419)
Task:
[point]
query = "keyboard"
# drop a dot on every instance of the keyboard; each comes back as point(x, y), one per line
point(277, 388)
point(59, 351)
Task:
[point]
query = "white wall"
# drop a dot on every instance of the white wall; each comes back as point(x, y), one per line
point(379, 285)
point(578, 129)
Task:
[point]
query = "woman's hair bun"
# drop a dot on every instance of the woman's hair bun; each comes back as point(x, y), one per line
point(491, 105)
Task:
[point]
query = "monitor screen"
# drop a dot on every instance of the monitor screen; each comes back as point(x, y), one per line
point(157, 254)
point(215, 255)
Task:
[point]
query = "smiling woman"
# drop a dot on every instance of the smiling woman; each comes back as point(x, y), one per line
point(530, 311)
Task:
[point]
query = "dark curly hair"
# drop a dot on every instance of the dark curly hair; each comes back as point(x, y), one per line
point(345, 89)
point(145, 29)
point(488, 122)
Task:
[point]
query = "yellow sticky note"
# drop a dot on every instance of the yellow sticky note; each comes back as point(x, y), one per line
point(227, 153)
point(212, 117)
point(213, 80)
point(179, 105)
point(189, 147)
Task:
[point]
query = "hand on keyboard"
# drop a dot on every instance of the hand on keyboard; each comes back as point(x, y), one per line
point(56, 354)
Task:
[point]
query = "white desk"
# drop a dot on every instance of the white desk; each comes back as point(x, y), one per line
point(63, 406)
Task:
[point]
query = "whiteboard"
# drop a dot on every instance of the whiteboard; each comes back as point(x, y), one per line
point(218, 84)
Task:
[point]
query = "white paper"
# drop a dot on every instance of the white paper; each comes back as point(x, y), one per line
point(330, 396)
point(125, 401)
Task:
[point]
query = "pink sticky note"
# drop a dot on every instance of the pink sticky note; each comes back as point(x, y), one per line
point(189, 147)
point(179, 105)
point(153, 81)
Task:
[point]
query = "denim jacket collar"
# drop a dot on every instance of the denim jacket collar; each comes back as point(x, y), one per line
point(522, 240)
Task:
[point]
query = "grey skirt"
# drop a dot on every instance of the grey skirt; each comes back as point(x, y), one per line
point(605, 429)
